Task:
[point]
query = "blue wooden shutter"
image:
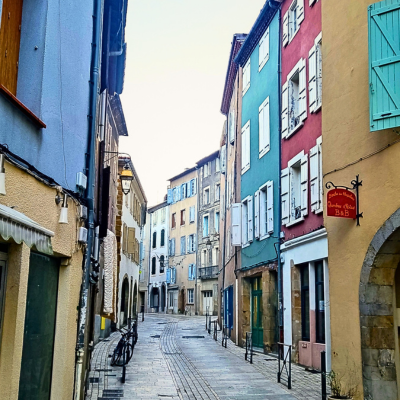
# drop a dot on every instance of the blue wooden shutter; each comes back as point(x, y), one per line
point(169, 196)
point(384, 64)
point(190, 272)
point(169, 275)
point(193, 271)
point(173, 277)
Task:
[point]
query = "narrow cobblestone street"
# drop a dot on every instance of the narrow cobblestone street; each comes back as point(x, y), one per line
point(175, 358)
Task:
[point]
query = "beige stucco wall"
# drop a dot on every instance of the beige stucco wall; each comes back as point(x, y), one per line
point(346, 139)
point(37, 201)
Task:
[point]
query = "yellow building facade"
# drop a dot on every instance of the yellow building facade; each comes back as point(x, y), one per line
point(364, 278)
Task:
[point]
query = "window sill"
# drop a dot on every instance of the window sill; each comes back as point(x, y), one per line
point(296, 221)
point(25, 110)
point(295, 129)
point(319, 211)
point(317, 109)
point(245, 245)
point(264, 237)
point(263, 152)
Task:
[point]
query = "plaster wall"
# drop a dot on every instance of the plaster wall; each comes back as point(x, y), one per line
point(346, 91)
point(305, 138)
point(39, 205)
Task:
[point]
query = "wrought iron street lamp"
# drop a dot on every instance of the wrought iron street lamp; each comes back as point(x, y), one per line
point(126, 177)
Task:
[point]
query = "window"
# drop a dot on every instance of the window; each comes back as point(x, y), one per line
point(193, 187)
point(292, 19)
point(222, 155)
point(231, 125)
point(173, 221)
point(263, 50)
point(172, 247)
point(247, 221)
point(183, 217)
point(217, 191)
point(294, 186)
point(215, 256)
point(190, 293)
point(315, 75)
point(183, 191)
point(192, 214)
point(205, 226)
point(316, 181)
point(246, 77)
point(217, 165)
point(153, 265)
point(162, 264)
point(192, 272)
point(163, 215)
point(183, 245)
point(204, 258)
point(294, 107)
point(263, 128)
point(216, 222)
point(154, 240)
point(319, 300)
point(264, 211)
point(205, 171)
point(191, 248)
point(246, 147)
point(305, 302)
point(206, 196)
point(162, 240)
point(171, 300)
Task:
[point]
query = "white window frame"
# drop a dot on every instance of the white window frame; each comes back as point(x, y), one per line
point(262, 220)
point(263, 50)
point(297, 7)
point(204, 195)
point(217, 213)
point(194, 214)
point(208, 227)
point(246, 77)
point(316, 175)
point(217, 190)
point(247, 221)
point(263, 115)
point(190, 296)
point(246, 147)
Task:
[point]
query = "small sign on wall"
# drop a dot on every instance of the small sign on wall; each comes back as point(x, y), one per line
point(341, 203)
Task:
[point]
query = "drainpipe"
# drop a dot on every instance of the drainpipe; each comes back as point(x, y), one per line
point(150, 257)
point(91, 171)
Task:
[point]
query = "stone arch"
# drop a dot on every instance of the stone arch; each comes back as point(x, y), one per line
point(134, 303)
point(124, 301)
point(163, 297)
point(378, 309)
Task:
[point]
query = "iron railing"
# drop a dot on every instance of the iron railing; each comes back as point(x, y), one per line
point(248, 355)
point(208, 272)
point(286, 358)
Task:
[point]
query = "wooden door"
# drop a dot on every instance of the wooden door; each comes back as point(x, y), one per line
point(257, 313)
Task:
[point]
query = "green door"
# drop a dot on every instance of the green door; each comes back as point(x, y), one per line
point(40, 317)
point(256, 312)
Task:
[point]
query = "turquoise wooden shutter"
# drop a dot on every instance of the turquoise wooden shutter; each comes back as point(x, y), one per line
point(384, 64)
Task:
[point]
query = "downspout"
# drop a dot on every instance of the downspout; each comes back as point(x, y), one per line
point(224, 242)
point(91, 171)
point(196, 305)
point(150, 257)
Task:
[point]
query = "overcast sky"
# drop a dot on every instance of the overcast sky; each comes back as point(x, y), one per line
point(177, 59)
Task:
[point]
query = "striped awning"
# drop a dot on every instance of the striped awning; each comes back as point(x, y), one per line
point(20, 228)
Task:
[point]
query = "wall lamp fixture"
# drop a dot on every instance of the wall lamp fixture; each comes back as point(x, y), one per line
point(64, 211)
point(2, 176)
point(126, 175)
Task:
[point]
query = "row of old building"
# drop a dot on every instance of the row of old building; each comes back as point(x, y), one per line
point(311, 104)
point(72, 208)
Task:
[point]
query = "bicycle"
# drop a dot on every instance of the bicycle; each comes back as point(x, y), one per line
point(124, 350)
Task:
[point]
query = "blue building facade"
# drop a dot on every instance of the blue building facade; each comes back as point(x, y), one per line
point(256, 221)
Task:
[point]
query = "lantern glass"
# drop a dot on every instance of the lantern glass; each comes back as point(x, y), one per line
point(126, 184)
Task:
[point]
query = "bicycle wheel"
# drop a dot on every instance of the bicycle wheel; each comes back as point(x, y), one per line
point(128, 350)
point(117, 352)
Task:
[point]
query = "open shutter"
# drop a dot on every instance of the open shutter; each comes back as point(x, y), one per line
point(188, 247)
point(285, 195)
point(263, 49)
point(285, 29)
point(257, 214)
point(194, 271)
point(263, 126)
point(250, 221)
point(131, 240)
point(314, 178)
point(312, 79)
point(168, 275)
point(270, 206)
point(236, 215)
point(300, 11)
point(173, 275)
point(302, 91)
point(304, 185)
point(169, 196)
point(223, 159)
point(285, 105)
point(384, 65)
point(194, 186)
point(245, 229)
point(173, 246)
point(194, 243)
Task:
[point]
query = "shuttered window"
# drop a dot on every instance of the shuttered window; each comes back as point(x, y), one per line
point(265, 220)
point(316, 181)
point(384, 65)
point(246, 147)
point(263, 128)
point(263, 50)
point(246, 77)
point(236, 225)
point(131, 241)
point(315, 75)
point(183, 245)
point(292, 19)
point(231, 125)
point(191, 214)
point(247, 221)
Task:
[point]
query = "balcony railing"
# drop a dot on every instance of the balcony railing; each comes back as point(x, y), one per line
point(208, 272)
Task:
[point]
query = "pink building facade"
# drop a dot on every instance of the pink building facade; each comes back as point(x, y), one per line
point(304, 248)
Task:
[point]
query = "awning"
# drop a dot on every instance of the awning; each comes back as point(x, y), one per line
point(20, 228)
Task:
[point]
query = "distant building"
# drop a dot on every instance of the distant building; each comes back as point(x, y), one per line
point(208, 228)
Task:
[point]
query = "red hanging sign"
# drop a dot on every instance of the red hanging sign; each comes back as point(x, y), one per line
point(341, 203)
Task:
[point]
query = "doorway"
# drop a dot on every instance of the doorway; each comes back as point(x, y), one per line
point(40, 321)
point(208, 302)
point(257, 312)
point(124, 302)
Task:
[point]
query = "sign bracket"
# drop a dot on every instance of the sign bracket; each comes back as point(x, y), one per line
point(356, 184)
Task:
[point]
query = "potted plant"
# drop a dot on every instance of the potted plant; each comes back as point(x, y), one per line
point(339, 390)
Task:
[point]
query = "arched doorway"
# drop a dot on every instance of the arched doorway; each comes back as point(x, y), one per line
point(154, 299)
point(124, 302)
point(162, 298)
point(134, 303)
point(379, 310)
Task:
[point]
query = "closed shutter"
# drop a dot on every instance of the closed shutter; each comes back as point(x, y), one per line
point(285, 195)
point(304, 185)
point(131, 240)
point(194, 243)
point(183, 245)
point(270, 206)
point(168, 278)
point(250, 219)
point(312, 79)
point(302, 92)
point(223, 159)
point(173, 275)
point(285, 29)
point(236, 215)
point(173, 247)
point(263, 126)
point(263, 49)
point(384, 65)
point(300, 11)
point(285, 106)
point(194, 186)
point(257, 214)
point(314, 178)
point(231, 126)
point(190, 272)
point(246, 147)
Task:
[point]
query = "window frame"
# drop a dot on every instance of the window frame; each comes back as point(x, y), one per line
point(173, 220)
point(217, 190)
point(183, 217)
point(206, 190)
point(162, 263)
point(246, 77)
point(154, 240)
point(162, 238)
point(194, 214)
point(291, 164)
point(206, 217)
point(246, 151)
point(154, 266)
point(190, 293)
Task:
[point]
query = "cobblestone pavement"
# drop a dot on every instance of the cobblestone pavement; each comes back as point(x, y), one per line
point(175, 358)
